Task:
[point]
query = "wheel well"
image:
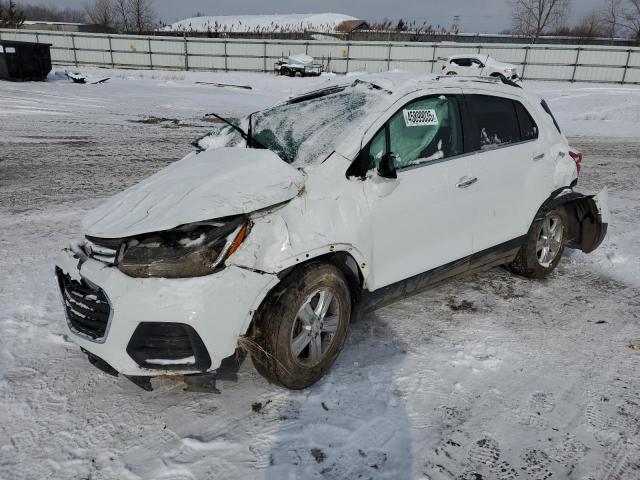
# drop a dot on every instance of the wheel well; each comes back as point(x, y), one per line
point(342, 260)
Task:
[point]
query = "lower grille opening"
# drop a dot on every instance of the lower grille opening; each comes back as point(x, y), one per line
point(168, 346)
point(87, 308)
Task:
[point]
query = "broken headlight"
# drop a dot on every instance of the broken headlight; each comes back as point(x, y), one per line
point(192, 250)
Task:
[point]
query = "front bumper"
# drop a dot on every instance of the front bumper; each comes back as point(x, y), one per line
point(218, 307)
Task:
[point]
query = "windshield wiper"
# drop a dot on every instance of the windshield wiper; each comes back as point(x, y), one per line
point(251, 142)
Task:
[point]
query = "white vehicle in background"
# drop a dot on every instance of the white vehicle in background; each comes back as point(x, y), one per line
point(283, 226)
point(480, 66)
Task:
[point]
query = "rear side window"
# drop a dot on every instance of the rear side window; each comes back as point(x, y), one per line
point(528, 127)
point(462, 62)
point(495, 120)
point(548, 110)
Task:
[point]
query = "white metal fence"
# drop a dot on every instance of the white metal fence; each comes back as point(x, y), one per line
point(536, 62)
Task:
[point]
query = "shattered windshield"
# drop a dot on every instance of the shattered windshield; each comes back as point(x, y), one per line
point(303, 132)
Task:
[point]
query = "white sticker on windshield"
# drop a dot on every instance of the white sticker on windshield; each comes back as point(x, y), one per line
point(9, 50)
point(1, 49)
point(419, 118)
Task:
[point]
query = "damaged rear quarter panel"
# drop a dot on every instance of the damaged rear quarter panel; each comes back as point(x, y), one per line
point(328, 215)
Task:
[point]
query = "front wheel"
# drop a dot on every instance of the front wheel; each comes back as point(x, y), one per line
point(301, 327)
point(451, 73)
point(543, 247)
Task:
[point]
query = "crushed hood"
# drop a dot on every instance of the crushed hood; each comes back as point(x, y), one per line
point(211, 184)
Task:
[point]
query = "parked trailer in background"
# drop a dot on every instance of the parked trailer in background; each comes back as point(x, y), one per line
point(20, 61)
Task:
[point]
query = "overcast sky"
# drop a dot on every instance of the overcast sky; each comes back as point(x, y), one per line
point(475, 15)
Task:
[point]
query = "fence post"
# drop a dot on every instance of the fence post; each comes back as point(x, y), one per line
point(306, 48)
point(111, 52)
point(37, 38)
point(348, 54)
point(626, 67)
point(226, 66)
point(389, 57)
point(433, 58)
point(575, 67)
point(150, 54)
point(264, 63)
point(526, 57)
point(186, 53)
point(73, 44)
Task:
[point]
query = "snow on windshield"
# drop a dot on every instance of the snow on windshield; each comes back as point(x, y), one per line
point(304, 132)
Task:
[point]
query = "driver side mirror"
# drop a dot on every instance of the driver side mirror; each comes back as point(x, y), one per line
point(387, 166)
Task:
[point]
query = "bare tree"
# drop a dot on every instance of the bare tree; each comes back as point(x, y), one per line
point(631, 18)
point(142, 15)
point(533, 17)
point(102, 13)
point(612, 13)
point(591, 25)
point(121, 8)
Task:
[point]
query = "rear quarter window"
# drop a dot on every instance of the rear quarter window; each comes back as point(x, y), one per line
point(528, 127)
point(546, 108)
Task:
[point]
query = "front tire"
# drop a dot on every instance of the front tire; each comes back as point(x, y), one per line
point(543, 247)
point(302, 325)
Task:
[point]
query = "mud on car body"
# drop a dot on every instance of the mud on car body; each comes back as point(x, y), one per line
point(280, 228)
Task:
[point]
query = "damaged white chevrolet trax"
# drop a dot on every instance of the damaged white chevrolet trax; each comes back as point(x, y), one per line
point(284, 225)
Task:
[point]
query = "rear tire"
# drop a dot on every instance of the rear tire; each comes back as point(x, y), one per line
point(302, 325)
point(451, 73)
point(543, 247)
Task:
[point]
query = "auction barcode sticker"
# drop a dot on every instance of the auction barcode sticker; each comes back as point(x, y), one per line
point(417, 118)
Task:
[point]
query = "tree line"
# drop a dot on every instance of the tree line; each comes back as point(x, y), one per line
point(614, 18)
point(110, 15)
point(531, 18)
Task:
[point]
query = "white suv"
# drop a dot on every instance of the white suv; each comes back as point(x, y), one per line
point(479, 65)
point(282, 227)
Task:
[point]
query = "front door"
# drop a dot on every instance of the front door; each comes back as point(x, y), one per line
point(422, 221)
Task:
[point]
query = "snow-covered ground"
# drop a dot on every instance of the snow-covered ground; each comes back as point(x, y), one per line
point(489, 376)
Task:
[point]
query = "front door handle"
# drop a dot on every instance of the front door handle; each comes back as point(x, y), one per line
point(466, 182)
point(540, 156)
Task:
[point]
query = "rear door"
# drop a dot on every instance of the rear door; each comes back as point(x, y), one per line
point(513, 165)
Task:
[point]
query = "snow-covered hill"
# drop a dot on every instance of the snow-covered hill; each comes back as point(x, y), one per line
point(315, 22)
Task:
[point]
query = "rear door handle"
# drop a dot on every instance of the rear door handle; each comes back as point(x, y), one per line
point(466, 182)
point(540, 156)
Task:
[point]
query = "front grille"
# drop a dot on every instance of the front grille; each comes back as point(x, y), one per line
point(87, 308)
point(105, 251)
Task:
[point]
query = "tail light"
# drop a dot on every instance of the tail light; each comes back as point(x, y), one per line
point(577, 157)
point(444, 66)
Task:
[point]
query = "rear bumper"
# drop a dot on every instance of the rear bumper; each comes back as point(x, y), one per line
point(588, 217)
point(214, 309)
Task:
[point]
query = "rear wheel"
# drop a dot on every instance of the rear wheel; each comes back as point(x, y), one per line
point(451, 73)
point(543, 248)
point(301, 327)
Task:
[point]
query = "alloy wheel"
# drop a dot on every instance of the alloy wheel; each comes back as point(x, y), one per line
point(314, 328)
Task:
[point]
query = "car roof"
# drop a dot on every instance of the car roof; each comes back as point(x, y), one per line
point(469, 55)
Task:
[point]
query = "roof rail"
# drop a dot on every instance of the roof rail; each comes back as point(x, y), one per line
point(472, 78)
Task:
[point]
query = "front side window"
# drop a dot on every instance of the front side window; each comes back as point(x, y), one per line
point(495, 119)
point(425, 130)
